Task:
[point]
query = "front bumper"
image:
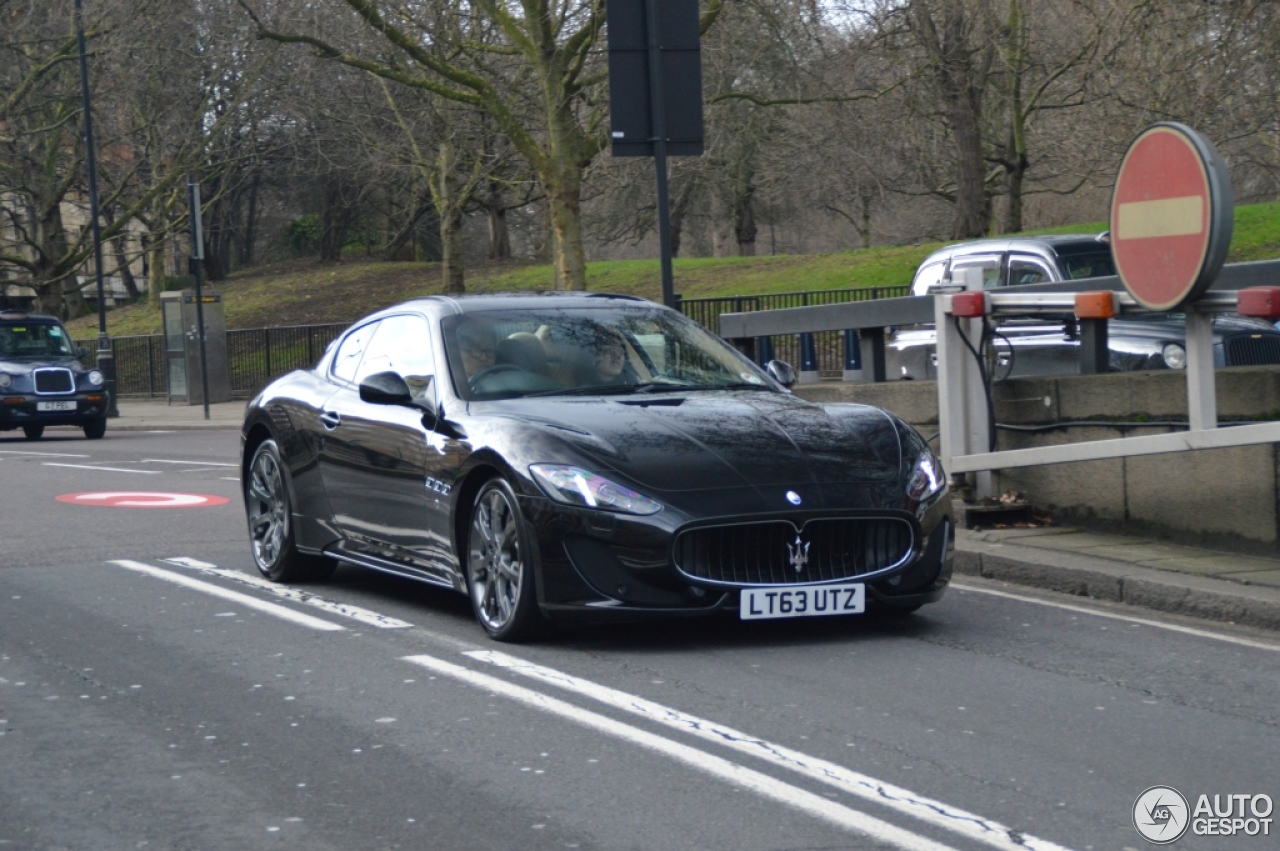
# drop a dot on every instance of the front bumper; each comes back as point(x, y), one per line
point(610, 567)
point(17, 410)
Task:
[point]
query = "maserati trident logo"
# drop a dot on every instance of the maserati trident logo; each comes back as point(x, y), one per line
point(798, 554)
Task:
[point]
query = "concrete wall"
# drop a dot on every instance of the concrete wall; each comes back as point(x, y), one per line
point(1215, 497)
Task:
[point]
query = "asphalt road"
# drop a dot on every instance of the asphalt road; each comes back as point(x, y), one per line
point(154, 694)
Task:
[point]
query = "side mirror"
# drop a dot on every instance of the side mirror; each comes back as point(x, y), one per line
point(81, 352)
point(781, 372)
point(385, 388)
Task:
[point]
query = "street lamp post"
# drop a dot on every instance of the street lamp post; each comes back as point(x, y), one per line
point(106, 357)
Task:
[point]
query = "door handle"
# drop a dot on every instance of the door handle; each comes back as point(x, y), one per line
point(330, 419)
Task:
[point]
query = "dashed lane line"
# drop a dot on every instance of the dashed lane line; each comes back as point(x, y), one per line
point(245, 600)
point(904, 801)
point(737, 775)
point(346, 610)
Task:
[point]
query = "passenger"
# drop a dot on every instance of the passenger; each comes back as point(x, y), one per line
point(606, 363)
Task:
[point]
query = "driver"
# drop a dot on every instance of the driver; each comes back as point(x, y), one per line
point(478, 346)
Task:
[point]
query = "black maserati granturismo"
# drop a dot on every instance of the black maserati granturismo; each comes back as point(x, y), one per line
point(581, 456)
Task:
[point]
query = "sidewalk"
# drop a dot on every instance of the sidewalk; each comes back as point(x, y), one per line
point(1141, 572)
point(156, 415)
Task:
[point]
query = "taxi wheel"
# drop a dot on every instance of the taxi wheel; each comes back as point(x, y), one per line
point(267, 508)
point(95, 429)
point(33, 432)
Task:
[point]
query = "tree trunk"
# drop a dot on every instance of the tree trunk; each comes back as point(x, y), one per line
point(678, 212)
point(449, 206)
point(744, 222)
point(499, 235)
point(564, 197)
point(158, 278)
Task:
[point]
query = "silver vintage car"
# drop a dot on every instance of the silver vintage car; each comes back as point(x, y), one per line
point(1038, 346)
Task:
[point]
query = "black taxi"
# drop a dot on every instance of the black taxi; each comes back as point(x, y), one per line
point(43, 381)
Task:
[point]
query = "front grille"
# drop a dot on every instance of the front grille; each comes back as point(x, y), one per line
point(54, 381)
point(1251, 349)
point(763, 553)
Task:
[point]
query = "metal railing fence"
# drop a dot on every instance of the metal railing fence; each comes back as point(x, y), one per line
point(255, 356)
point(829, 344)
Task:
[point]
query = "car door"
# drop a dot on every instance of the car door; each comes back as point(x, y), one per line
point(384, 462)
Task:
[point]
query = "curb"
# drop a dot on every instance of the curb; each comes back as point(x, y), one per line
point(1118, 582)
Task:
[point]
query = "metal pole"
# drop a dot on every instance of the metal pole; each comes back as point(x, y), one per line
point(106, 357)
point(197, 258)
point(657, 111)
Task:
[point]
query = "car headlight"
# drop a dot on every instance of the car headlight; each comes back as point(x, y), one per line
point(95, 378)
point(575, 486)
point(926, 477)
point(6, 381)
point(1175, 356)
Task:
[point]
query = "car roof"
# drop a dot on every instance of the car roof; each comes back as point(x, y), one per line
point(444, 305)
point(1046, 244)
point(23, 316)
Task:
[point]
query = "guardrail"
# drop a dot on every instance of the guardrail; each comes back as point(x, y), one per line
point(828, 345)
point(869, 319)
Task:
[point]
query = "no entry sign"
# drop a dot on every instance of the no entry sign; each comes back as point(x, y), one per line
point(1171, 216)
point(143, 499)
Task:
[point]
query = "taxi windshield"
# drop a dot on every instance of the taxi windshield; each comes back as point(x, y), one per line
point(33, 340)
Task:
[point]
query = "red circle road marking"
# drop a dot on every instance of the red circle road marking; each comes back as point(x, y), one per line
point(144, 499)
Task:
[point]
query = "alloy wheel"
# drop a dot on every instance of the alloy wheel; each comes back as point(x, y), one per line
point(268, 510)
point(494, 558)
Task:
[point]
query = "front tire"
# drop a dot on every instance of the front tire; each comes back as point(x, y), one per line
point(500, 566)
point(269, 513)
point(95, 429)
point(33, 432)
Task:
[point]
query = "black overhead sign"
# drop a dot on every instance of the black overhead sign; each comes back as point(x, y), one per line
point(632, 98)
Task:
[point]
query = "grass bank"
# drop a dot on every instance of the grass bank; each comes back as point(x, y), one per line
point(305, 292)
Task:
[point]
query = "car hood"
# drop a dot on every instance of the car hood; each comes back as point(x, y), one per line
point(707, 440)
point(24, 366)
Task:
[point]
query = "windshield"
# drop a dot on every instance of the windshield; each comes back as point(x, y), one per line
point(504, 354)
point(33, 339)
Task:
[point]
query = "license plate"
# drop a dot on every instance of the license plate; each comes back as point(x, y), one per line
point(759, 603)
point(55, 406)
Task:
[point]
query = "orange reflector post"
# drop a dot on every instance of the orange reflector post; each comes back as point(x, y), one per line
point(1095, 305)
point(1260, 301)
point(969, 305)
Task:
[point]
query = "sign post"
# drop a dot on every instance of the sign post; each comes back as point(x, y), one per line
point(1171, 220)
point(655, 95)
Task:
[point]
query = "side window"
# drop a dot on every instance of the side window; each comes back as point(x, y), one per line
point(989, 263)
point(1026, 270)
point(403, 345)
point(927, 276)
point(347, 359)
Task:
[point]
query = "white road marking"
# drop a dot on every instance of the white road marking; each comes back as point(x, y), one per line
point(1187, 630)
point(108, 469)
point(738, 775)
point(41, 454)
point(346, 610)
point(198, 463)
point(896, 798)
point(235, 596)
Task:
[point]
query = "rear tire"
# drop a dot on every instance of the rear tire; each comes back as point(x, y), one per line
point(269, 512)
point(501, 566)
point(33, 432)
point(95, 429)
